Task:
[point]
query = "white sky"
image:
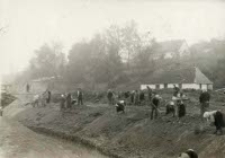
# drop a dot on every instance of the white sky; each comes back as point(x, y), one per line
point(34, 22)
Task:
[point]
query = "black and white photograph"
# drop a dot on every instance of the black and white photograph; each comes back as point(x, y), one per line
point(112, 79)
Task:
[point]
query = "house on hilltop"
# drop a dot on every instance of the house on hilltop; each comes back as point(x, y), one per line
point(185, 78)
point(171, 49)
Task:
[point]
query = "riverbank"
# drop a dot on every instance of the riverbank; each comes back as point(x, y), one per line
point(125, 135)
point(18, 141)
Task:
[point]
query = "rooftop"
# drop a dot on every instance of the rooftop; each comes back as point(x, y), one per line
point(183, 75)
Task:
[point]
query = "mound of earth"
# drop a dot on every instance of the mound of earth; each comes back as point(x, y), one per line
point(7, 99)
point(132, 134)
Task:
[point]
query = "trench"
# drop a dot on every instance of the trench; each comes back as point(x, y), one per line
point(18, 141)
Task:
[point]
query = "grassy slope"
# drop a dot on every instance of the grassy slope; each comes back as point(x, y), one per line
point(132, 134)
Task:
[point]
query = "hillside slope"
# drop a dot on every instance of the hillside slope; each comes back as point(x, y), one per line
point(127, 135)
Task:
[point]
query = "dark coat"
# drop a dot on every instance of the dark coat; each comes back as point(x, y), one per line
point(68, 100)
point(204, 97)
point(181, 110)
point(127, 94)
point(62, 102)
point(192, 154)
point(156, 101)
point(28, 87)
point(176, 91)
point(149, 92)
point(79, 95)
point(120, 107)
point(49, 95)
point(142, 96)
point(109, 94)
point(132, 98)
point(219, 120)
point(170, 109)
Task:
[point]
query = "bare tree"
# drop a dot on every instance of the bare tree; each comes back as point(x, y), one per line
point(48, 61)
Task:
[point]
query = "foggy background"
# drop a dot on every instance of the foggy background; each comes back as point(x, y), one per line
point(30, 23)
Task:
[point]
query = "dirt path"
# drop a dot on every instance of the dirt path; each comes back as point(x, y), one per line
point(19, 142)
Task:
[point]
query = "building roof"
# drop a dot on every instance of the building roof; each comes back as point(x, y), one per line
point(184, 75)
point(200, 77)
point(168, 46)
point(43, 79)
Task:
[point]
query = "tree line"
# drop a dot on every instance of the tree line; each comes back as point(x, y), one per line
point(119, 55)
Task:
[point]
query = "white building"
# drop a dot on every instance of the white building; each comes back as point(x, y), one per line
point(186, 78)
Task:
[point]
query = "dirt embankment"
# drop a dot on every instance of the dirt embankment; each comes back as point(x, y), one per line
point(127, 135)
point(6, 99)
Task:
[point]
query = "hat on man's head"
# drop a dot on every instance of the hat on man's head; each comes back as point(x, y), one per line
point(190, 153)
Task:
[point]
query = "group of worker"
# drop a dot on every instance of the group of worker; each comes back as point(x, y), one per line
point(148, 97)
point(43, 99)
point(134, 97)
point(68, 100)
point(151, 98)
point(176, 101)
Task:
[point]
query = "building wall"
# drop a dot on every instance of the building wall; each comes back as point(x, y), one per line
point(171, 85)
point(210, 86)
point(144, 86)
point(204, 86)
point(161, 86)
point(190, 86)
point(183, 86)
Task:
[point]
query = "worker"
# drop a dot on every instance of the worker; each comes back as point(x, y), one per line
point(120, 106)
point(80, 97)
point(154, 106)
point(142, 97)
point(181, 108)
point(149, 93)
point(170, 108)
point(62, 102)
point(68, 101)
point(49, 95)
point(215, 118)
point(1, 110)
point(28, 88)
point(204, 99)
point(110, 96)
point(190, 153)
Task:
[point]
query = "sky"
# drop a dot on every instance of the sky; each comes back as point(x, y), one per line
point(28, 24)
